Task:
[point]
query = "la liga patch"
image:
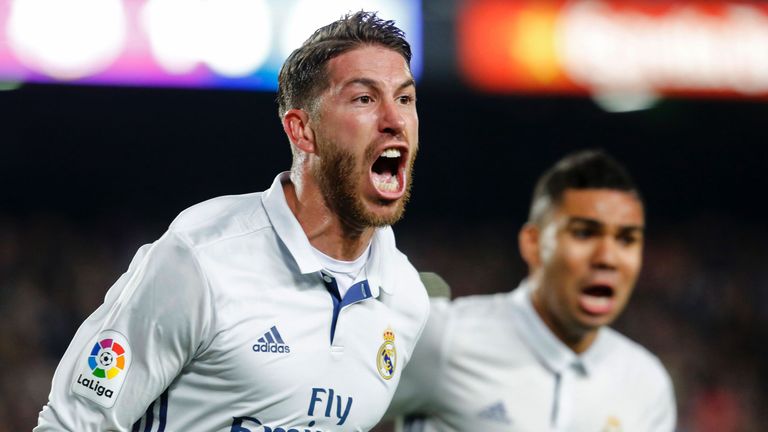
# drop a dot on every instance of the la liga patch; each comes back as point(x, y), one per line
point(101, 371)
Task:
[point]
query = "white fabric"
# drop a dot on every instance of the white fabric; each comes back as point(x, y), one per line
point(194, 306)
point(346, 273)
point(489, 363)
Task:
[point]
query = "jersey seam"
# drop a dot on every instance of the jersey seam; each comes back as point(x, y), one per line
point(223, 238)
point(130, 285)
point(244, 222)
point(209, 291)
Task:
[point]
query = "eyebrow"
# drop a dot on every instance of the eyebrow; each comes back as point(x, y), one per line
point(594, 223)
point(368, 82)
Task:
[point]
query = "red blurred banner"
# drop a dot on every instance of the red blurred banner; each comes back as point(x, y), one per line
point(576, 47)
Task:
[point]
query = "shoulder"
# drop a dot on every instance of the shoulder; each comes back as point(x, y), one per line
point(483, 303)
point(481, 309)
point(400, 273)
point(456, 325)
point(402, 288)
point(635, 358)
point(646, 380)
point(412, 296)
point(220, 218)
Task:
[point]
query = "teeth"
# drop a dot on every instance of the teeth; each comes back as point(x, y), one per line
point(391, 153)
point(391, 184)
point(598, 301)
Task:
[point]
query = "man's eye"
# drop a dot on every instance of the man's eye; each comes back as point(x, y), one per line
point(582, 233)
point(628, 239)
point(364, 99)
point(406, 99)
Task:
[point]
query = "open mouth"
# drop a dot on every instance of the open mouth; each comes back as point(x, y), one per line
point(597, 299)
point(388, 173)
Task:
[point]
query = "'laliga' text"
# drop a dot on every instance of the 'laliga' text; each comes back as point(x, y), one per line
point(95, 386)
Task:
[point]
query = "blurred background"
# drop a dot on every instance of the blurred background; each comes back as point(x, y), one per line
point(115, 115)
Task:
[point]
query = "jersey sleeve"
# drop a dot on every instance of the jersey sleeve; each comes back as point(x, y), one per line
point(154, 320)
point(418, 392)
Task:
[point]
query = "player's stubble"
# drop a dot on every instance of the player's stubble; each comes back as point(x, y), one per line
point(338, 175)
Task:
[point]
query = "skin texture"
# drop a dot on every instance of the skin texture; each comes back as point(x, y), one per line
point(584, 258)
point(368, 106)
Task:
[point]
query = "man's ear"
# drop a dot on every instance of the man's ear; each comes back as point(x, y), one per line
point(296, 127)
point(529, 241)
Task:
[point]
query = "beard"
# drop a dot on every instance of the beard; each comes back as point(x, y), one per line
point(338, 175)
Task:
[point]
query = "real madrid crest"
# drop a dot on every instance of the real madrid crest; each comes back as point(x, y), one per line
point(612, 425)
point(386, 359)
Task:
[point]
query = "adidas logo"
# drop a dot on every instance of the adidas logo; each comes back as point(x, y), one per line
point(496, 413)
point(271, 342)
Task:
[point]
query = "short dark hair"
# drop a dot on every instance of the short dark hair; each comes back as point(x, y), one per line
point(304, 73)
point(586, 169)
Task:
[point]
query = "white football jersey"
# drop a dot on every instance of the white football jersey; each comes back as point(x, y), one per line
point(489, 363)
point(229, 323)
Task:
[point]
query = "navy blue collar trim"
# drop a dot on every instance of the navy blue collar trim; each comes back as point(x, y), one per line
point(356, 293)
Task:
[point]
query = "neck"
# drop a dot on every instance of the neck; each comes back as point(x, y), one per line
point(578, 343)
point(575, 338)
point(325, 230)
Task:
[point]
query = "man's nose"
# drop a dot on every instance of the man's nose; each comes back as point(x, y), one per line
point(606, 251)
point(391, 120)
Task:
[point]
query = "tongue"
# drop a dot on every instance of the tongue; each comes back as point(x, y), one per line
point(383, 177)
point(596, 305)
point(386, 183)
